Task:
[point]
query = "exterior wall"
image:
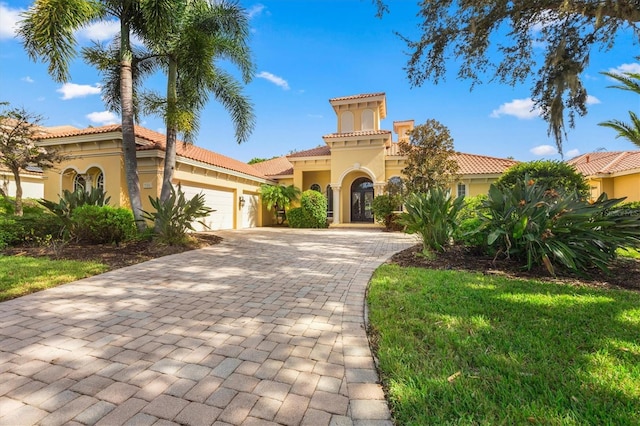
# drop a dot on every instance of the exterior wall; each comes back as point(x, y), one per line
point(32, 185)
point(627, 186)
point(345, 194)
point(369, 159)
point(357, 111)
point(320, 177)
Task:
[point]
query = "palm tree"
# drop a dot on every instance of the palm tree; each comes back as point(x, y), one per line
point(631, 131)
point(191, 35)
point(48, 34)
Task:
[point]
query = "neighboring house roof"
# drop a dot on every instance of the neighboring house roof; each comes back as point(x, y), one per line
point(157, 141)
point(278, 166)
point(606, 163)
point(313, 152)
point(472, 164)
point(29, 170)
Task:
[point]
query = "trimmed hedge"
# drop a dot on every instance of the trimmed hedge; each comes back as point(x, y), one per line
point(102, 224)
point(30, 229)
point(311, 214)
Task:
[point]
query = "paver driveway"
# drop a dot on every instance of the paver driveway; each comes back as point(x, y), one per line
point(265, 328)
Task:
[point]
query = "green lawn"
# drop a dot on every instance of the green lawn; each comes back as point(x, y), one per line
point(23, 275)
point(471, 349)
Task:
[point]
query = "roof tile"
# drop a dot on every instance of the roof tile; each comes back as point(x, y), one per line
point(274, 167)
point(313, 152)
point(597, 163)
point(359, 133)
point(360, 96)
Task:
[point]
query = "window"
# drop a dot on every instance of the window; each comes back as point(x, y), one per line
point(367, 119)
point(462, 189)
point(329, 195)
point(315, 187)
point(100, 180)
point(79, 183)
point(346, 121)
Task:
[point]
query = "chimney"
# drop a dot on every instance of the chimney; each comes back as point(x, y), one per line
point(587, 158)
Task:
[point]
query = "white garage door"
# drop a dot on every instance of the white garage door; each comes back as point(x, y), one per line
point(220, 201)
point(250, 211)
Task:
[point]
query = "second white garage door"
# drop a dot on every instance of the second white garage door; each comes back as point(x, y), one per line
point(220, 201)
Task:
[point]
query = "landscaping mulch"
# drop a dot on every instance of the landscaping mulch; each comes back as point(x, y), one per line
point(624, 272)
point(115, 257)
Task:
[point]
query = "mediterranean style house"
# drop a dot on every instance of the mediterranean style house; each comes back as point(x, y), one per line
point(352, 166)
point(615, 173)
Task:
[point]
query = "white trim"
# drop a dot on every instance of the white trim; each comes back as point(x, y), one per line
point(368, 171)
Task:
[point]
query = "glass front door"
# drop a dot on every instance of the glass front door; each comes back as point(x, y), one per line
point(362, 200)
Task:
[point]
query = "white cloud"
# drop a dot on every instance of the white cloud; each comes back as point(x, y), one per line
point(572, 153)
point(103, 118)
point(520, 108)
point(544, 150)
point(592, 100)
point(255, 10)
point(72, 90)
point(278, 81)
point(100, 31)
point(27, 79)
point(633, 68)
point(9, 21)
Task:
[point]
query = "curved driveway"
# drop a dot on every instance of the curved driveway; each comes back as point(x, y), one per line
point(264, 328)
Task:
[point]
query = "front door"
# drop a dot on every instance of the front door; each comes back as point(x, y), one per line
point(362, 200)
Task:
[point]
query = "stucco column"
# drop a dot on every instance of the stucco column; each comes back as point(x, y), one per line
point(336, 204)
point(378, 188)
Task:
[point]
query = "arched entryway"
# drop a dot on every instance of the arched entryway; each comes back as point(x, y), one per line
point(362, 200)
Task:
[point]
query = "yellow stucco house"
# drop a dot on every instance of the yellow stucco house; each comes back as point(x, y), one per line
point(615, 173)
point(352, 166)
point(357, 161)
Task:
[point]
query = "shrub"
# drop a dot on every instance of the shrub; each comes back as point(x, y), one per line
point(312, 212)
point(69, 201)
point(548, 174)
point(547, 227)
point(175, 217)
point(383, 208)
point(432, 215)
point(102, 224)
point(29, 229)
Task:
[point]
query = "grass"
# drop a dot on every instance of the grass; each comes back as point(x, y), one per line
point(471, 349)
point(628, 252)
point(23, 275)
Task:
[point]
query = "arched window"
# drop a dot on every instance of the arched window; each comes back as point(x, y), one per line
point(367, 119)
point(346, 122)
point(79, 183)
point(315, 187)
point(99, 181)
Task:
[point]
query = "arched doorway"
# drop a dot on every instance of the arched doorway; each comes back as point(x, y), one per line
point(362, 200)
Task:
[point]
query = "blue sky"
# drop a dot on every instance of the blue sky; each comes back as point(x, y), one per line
point(307, 52)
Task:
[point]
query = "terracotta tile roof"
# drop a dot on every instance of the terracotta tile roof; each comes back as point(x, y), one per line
point(157, 141)
point(360, 96)
point(35, 171)
point(313, 152)
point(472, 164)
point(274, 167)
point(359, 133)
point(600, 163)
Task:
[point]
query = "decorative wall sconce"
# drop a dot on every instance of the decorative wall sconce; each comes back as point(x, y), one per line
point(241, 202)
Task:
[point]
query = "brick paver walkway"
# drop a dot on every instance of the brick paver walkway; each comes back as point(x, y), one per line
point(265, 328)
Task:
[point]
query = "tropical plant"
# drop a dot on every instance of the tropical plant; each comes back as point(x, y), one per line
point(314, 206)
point(549, 174)
point(546, 227)
point(631, 131)
point(430, 157)
point(71, 200)
point(96, 224)
point(19, 130)
point(433, 216)
point(278, 197)
point(48, 32)
point(384, 207)
point(175, 216)
point(500, 40)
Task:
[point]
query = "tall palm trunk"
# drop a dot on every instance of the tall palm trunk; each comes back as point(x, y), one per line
point(172, 132)
point(128, 130)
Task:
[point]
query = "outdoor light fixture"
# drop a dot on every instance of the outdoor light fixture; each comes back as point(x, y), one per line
point(241, 201)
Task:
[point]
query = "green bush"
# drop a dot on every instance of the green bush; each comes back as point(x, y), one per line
point(29, 206)
point(314, 206)
point(102, 224)
point(29, 229)
point(548, 227)
point(69, 201)
point(548, 174)
point(470, 234)
point(297, 218)
point(383, 208)
point(432, 215)
point(174, 217)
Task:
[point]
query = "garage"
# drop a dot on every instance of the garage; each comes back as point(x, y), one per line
point(250, 211)
point(220, 201)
